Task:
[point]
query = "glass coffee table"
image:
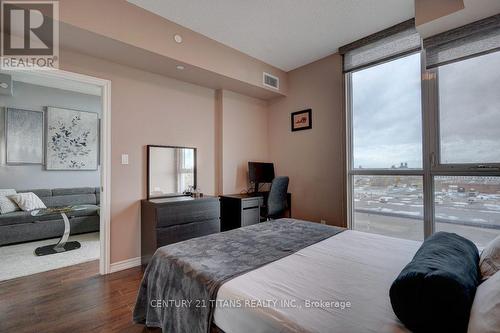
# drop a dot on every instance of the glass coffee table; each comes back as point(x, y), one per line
point(63, 245)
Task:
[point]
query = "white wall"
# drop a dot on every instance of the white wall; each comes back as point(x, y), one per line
point(33, 97)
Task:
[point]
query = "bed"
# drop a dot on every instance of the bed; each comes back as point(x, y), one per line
point(333, 280)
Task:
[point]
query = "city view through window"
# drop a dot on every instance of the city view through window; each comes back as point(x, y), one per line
point(393, 206)
point(386, 127)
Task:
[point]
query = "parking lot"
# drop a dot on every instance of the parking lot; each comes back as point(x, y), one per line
point(398, 212)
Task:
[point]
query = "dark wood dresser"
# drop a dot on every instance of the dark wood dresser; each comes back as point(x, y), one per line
point(170, 220)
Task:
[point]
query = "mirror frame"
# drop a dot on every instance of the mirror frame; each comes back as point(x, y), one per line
point(148, 171)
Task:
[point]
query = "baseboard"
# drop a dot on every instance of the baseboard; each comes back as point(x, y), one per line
point(125, 264)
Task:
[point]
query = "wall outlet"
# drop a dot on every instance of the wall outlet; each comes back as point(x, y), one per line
point(323, 221)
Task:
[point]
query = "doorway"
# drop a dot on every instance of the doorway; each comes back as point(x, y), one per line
point(93, 183)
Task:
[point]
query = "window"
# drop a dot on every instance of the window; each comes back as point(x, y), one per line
point(389, 205)
point(469, 110)
point(185, 170)
point(468, 206)
point(468, 137)
point(386, 115)
point(423, 138)
point(386, 146)
point(386, 169)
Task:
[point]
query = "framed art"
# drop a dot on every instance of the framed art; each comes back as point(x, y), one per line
point(72, 141)
point(301, 120)
point(24, 136)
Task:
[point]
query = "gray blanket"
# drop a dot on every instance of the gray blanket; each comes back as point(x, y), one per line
point(180, 284)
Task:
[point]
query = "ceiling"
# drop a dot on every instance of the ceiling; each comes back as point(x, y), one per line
point(284, 33)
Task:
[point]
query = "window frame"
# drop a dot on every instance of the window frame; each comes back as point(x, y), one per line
point(431, 148)
point(352, 172)
point(438, 167)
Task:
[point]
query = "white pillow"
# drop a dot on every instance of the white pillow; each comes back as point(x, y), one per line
point(28, 201)
point(489, 263)
point(6, 204)
point(485, 312)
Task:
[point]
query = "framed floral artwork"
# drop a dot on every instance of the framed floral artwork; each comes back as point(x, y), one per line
point(72, 140)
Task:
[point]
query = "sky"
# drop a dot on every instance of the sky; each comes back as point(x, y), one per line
point(387, 116)
point(470, 110)
point(387, 124)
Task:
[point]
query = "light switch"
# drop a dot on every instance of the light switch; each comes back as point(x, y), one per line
point(124, 159)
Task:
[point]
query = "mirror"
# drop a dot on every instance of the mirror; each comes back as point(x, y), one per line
point(171, 170)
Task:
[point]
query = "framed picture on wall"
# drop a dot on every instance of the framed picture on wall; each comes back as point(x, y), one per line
point(301, 120)
point(24, 136)
point(72, 141)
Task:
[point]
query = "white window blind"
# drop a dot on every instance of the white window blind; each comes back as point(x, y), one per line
point(471, 40)
point(399, 40)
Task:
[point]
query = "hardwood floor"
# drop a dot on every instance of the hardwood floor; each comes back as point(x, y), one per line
point(71, 299)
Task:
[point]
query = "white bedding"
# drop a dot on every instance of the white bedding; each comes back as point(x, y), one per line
point(352, 266)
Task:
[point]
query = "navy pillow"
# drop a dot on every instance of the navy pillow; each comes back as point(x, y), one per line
point(435, 291)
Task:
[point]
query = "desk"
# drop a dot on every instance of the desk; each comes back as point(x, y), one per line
point(240, 210)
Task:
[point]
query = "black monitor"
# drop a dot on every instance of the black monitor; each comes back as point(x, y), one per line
point(260, 173)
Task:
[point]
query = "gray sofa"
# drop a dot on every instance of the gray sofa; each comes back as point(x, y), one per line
point(19, 226)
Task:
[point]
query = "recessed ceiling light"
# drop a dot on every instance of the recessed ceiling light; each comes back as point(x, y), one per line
point(178, 38)
point(179, 67)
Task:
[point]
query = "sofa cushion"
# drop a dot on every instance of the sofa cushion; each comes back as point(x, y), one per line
point(98, 195)
point(28, 201)
point(26, 217)
point(6, 204)
point(26, 232)
point(40, 192)
point(72, 191)
point(70, 200)
point(16, 218)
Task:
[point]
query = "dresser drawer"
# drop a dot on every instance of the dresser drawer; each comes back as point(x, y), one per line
point(188, 212)
point(250, 203)
point(182, 232)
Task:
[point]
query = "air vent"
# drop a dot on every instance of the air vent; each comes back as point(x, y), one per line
point(271, 81)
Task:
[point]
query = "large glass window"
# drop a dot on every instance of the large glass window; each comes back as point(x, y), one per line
point(387, 138)
point(468, 206)
point(389, 205)
point(469, 110)
point(386, 115)
point(424, 138)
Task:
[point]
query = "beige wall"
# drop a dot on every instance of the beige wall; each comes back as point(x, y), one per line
point(433, 17)
point(313, 159)
point(429, 10)
point(228, 129)
point(146, 31)
point(153, 109)
point(147, 109)
point(244, 137)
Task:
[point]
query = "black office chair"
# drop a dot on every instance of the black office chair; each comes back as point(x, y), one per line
point(276, 204)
